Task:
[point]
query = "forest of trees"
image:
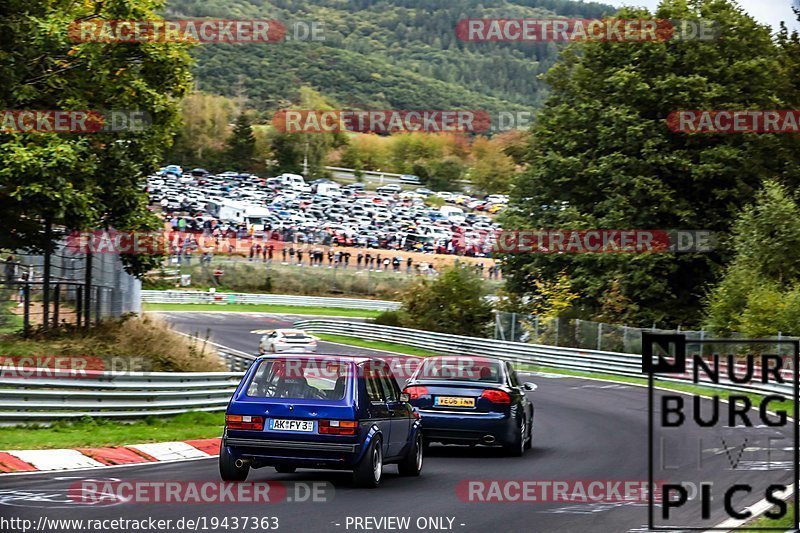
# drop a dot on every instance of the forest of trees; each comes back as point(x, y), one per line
point(381, 54)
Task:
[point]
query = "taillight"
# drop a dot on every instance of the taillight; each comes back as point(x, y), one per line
point(337, 427)
point(496, 396)
point(416, 392)
point(244, 422)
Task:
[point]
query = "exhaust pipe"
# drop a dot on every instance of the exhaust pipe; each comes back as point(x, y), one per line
point(241, 463)
point(489, 439)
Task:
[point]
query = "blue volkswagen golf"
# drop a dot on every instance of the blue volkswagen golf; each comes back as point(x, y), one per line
point(332, 412)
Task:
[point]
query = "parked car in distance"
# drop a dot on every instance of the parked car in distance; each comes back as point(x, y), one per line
point(391, 188)
point(472, 400)
point(287, 340)
point(410, 178)
point(332, 412)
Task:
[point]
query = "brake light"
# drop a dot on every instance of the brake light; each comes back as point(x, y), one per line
point(337, 427)
point(496, 396)
point(244, 422)
point(416, 392)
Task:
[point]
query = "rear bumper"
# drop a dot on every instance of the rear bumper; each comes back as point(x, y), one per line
point(296, 349)
point(268, 452)
point(467, 428)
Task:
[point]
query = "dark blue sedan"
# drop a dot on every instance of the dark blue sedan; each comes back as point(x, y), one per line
point(332, 412)
point(473, 400)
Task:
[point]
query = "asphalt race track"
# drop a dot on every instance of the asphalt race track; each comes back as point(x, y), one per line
point(583, 430)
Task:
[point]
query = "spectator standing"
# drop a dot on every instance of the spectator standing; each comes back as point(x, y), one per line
point(408, 265)
point(359, 258)
point(10, 271)
point(300, 257)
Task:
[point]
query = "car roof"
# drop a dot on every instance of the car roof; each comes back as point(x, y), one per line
point(357, 359)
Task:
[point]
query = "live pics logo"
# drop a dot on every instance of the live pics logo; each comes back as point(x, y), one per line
point(725, 455)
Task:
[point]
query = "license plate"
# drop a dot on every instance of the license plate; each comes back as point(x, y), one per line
point(280, 424)
point(455, 401)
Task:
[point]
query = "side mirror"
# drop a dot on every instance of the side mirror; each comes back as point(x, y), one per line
point(529, 386)
point(405, 397)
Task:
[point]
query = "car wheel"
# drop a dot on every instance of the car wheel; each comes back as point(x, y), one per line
point(285, 469)
point(228, 470)
point(529, 442)
point(411, 465)
point(368, 472)
point(516, 447)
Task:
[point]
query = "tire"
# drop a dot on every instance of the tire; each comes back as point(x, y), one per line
point(227, 467)
point(516, 447)
point(368, 472)
point(529, 442)
point(285, 469)
point(411, 465)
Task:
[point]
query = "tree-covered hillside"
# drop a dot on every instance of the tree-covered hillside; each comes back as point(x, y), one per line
point(381, 54)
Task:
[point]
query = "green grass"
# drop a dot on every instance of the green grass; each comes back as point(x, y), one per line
point(375, 345)
point(11, 321)
point(263, 308)
point(103, 432)
point(785, 522)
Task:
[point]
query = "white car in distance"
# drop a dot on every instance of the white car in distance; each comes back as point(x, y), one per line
point(287, 341)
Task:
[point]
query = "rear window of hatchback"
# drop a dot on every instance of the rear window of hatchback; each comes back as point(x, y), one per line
point(300, 379)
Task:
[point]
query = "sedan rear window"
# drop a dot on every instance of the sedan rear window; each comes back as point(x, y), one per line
point(461, 369)
point(297, 337)
point(299, 379)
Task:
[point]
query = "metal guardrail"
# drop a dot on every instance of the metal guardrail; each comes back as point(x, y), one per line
point(200, 297)
point(114, 395)
point(120, 394)
point(537, 356)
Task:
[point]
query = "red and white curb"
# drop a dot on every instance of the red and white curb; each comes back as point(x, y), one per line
point(16, 461)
